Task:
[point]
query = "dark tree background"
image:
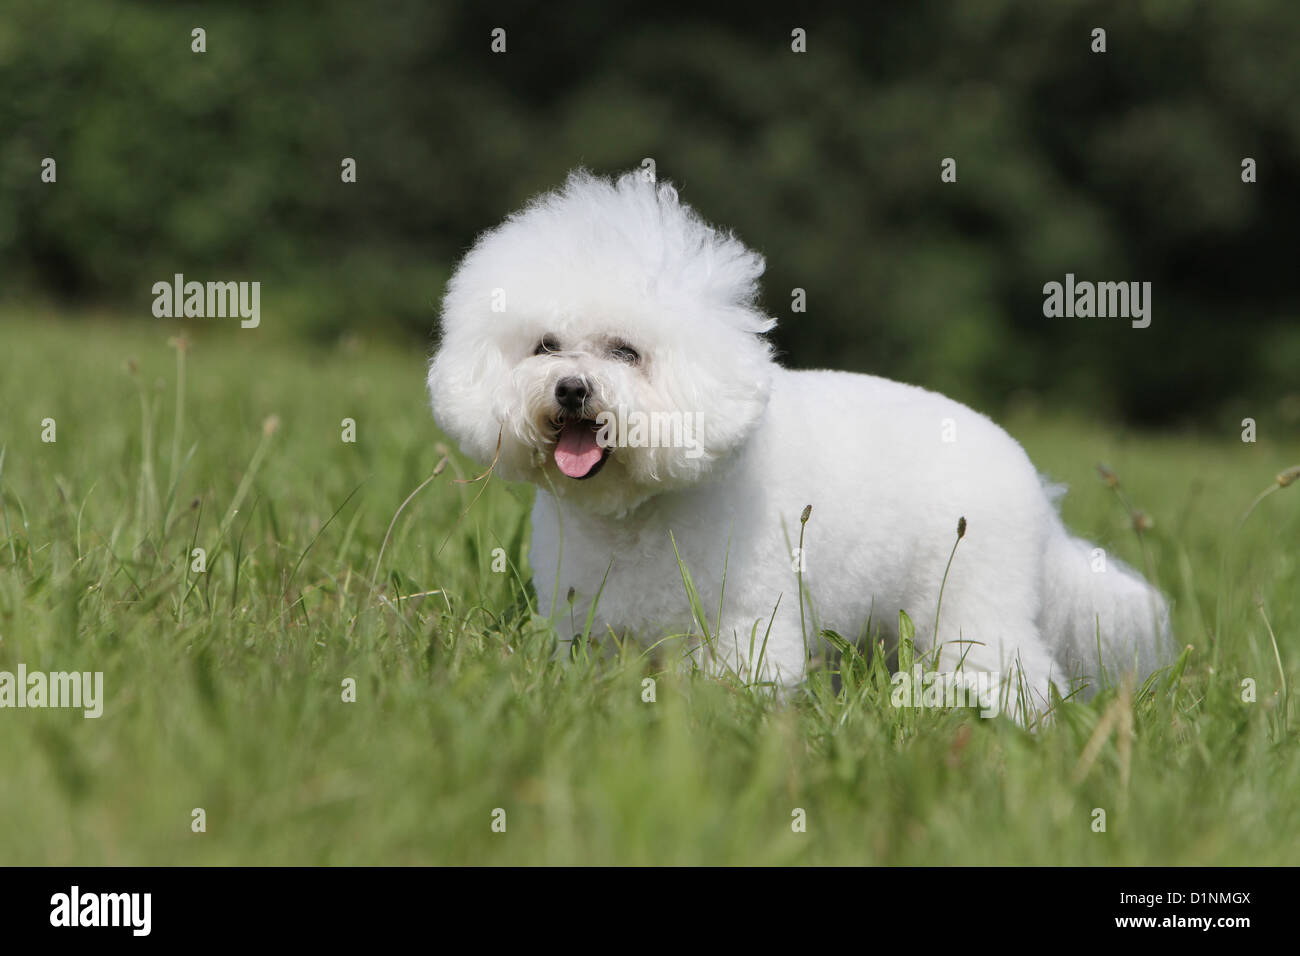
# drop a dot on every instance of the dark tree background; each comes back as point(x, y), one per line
point(1123, 166)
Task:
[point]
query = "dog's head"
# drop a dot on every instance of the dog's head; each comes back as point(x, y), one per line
point(603, 342)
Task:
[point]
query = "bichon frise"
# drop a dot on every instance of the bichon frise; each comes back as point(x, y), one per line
point(604, 343)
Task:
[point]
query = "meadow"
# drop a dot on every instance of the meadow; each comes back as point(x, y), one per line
point(328, 561)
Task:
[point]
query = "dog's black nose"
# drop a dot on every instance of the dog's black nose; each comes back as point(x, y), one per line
point(571, 392)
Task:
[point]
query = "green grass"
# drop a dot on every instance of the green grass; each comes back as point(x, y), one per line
point(224, 689)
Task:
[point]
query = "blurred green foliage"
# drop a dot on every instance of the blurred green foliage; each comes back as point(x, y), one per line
point(1123, 166)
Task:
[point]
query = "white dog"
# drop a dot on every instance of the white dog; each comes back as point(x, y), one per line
point(604, 344)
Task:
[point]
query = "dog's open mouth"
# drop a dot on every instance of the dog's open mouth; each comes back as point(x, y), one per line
point(577, 453)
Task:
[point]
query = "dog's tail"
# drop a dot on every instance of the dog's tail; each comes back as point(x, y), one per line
point(1103, 617)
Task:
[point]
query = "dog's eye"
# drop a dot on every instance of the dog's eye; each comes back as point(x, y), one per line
point(625, 353)
point(549, 343)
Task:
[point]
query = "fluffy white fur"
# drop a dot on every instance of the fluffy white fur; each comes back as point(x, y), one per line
point(597, 266)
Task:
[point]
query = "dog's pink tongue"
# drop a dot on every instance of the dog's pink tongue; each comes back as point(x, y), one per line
point(577, 451)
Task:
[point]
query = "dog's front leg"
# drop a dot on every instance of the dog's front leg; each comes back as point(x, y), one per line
point(764, 653)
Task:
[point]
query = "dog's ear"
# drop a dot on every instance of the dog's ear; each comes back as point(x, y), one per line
point(466, 378)
point(725, 376)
